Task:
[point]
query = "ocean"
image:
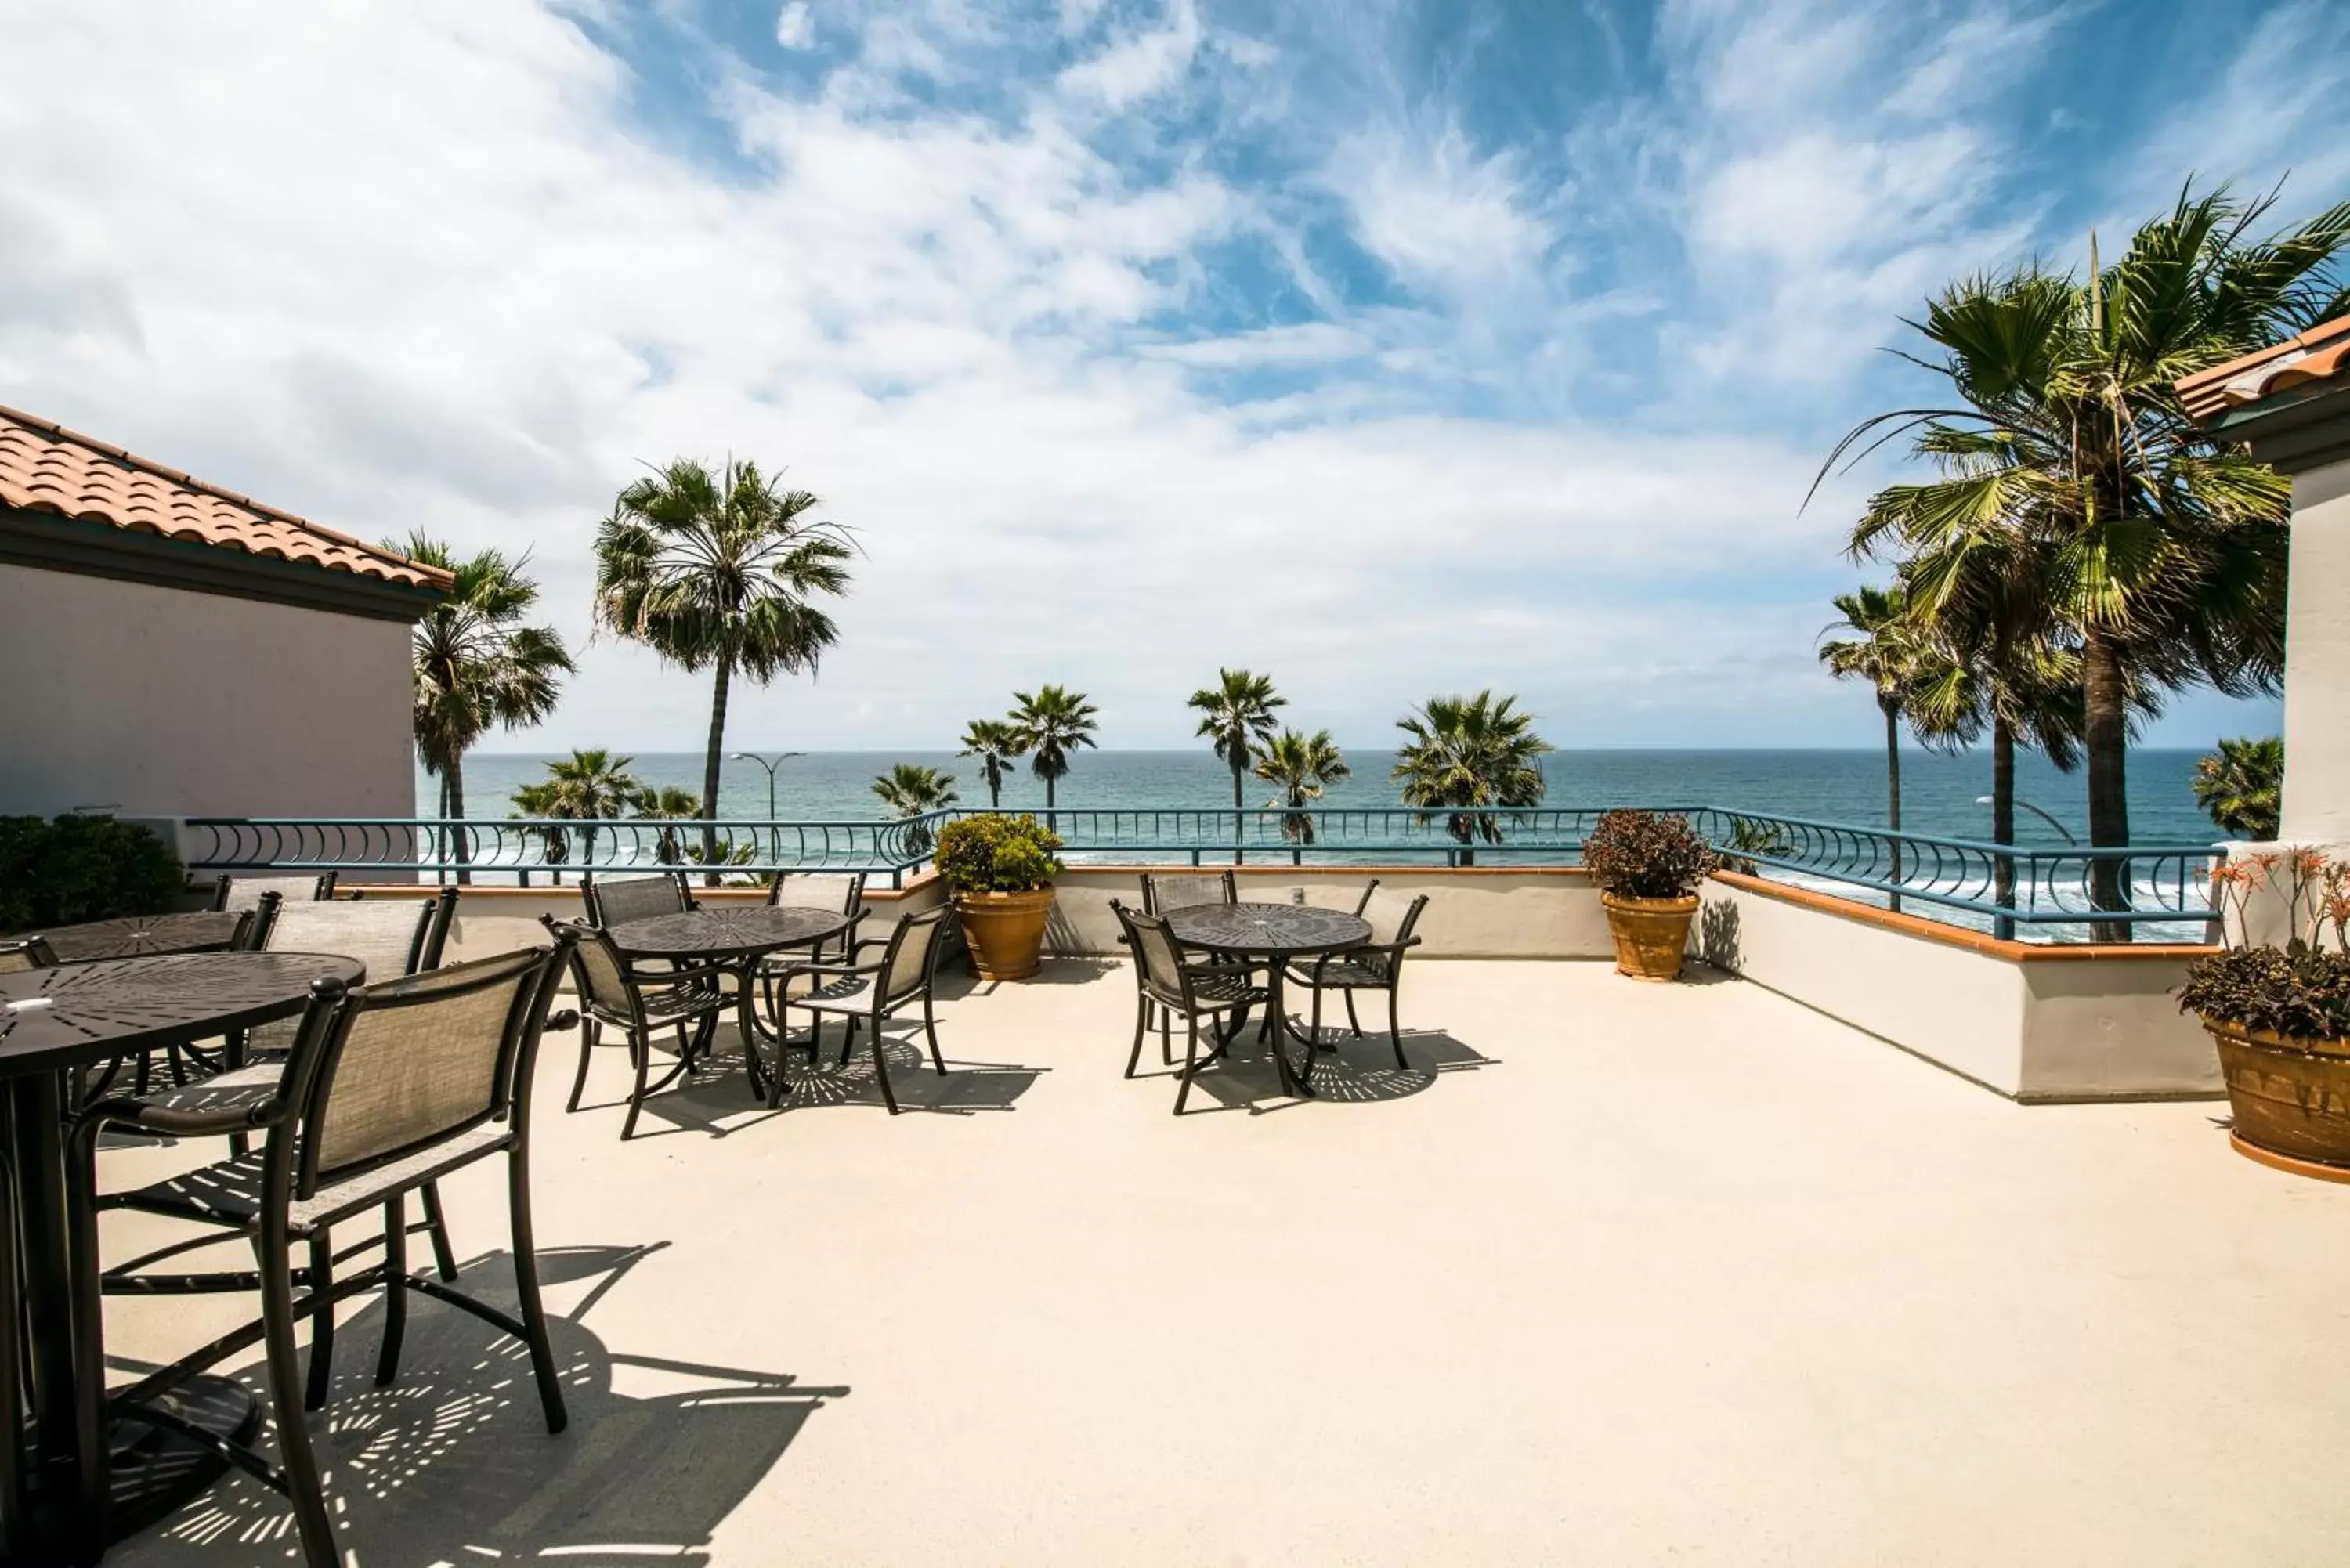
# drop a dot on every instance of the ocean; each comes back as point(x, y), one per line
point(1939, 793)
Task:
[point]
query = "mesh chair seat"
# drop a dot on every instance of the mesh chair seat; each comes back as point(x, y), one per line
point(663, 1004)
point(238, 1089)
point(230, 1192)
point(1215, 989)
point(1367, 973)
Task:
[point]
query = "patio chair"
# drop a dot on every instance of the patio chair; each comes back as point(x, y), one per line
point(1162, 891)
point(390, 1087)
point(906, 972)
point(20, 953)
point(1379, 966)
point(1178, 989)
point(616, 901)
point(834, 894)
point(639, 1000)
point(245, 892)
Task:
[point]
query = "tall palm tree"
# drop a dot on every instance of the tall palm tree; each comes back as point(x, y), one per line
point(914, 791)
point(720, 572)
point(1303, 765)
point(1888, 651)
point(1235, 714)
point(2243, 786)
point(1471, 751)
point(995, 742)
point(2170, 544)
point(1048, 724)
point(476, 667)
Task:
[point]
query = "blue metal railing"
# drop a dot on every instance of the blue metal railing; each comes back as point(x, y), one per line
point(2002, 888)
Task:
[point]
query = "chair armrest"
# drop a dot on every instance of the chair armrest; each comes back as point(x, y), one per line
point(562, 1023)
point(123, 1111)
point(679, 975)
point(837, 971)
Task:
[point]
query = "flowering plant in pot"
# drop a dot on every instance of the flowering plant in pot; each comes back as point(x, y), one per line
point(2279, 1015)
point(1648, 867)
point(1000, 869)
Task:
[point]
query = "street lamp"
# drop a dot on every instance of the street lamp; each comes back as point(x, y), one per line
point(2060, 827)
point(774, 842)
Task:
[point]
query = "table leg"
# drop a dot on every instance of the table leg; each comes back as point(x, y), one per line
point(1291, 1082)
point(51, 1476)
point(747, 1004)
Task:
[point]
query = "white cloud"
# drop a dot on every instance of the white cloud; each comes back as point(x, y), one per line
point(1140, 66)
point(795, 25)
point(1445, 218)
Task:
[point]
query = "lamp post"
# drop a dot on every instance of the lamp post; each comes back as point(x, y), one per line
point(2060, 827)
point(775, 844)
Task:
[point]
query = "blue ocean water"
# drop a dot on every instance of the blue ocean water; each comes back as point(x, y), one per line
point(1939, 793)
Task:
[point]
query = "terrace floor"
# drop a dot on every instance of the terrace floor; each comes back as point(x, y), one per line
point(1638, 1275)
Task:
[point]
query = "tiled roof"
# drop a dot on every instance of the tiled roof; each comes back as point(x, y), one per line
point(2320, 354)
point(45, 467)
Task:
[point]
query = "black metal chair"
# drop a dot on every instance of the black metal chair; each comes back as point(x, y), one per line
point(616, 901)
point(1177, 988)
point(1377, 966)
point(245, 892)
point(639, 1000)
point(1163, 891)
point(390, 1087)
point(906, 972)
point(835, 893)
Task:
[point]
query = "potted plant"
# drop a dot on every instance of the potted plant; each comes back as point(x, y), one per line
point(1001, 870)
point(1649, 869)
point(2280, 1015)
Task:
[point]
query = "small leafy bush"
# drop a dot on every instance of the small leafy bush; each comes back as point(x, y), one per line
point(1640, 854)
point(82, 868)
point(997, 854)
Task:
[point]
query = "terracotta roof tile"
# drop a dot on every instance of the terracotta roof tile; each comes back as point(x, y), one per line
point(45, 467)
point(2319, 354)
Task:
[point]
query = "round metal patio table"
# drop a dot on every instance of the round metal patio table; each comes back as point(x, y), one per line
point(734, 938)
point(139, 936)
point(54, 1022)
point(1273, 933)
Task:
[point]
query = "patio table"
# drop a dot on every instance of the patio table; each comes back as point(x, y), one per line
point(1273, 934)
point(54, 1022)
point(733, 939)
point(138, 935)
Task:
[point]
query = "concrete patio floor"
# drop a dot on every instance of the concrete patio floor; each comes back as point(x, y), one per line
point(1636, 1275)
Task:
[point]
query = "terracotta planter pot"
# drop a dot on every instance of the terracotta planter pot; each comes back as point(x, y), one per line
point(1003, 931)
point(1652, 934)
point(2291, 1098)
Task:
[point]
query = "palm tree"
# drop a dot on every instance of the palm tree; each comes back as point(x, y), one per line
point(669, 803)
point(536, 802)
point(1235, 714)
point(719, 571)
point(2243, 786)
point(1303, 765)
point(994, 741)
point(476, 668)
point(914, 792)
point(2169, 542)
point(587, 786)
point(1471, 751)
point(1886, 653)
point(1047, 725)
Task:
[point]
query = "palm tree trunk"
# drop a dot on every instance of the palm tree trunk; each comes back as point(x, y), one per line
point(1893, 787)
point(709, 770)
point(994, 787)
point(2105, 740)
point(2003, 806)
point(1239, 837)
point(452, 789)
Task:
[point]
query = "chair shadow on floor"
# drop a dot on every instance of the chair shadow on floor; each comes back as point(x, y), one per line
point(716, 1100)
point(1358, 1071)
point(454, 1463)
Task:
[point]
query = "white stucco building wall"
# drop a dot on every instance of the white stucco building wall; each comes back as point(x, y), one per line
point(2317, 660)
point(160, 703)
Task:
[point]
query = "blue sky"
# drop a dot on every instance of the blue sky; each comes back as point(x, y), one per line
point(1391, 347)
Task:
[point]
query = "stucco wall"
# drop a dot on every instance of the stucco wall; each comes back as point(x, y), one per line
point(162, 703)
point(2035, 1023)
point(2317, 660)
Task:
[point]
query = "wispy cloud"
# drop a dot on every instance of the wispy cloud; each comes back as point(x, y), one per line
point(1074, 310)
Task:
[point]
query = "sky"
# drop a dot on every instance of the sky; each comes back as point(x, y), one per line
point(1390, 348)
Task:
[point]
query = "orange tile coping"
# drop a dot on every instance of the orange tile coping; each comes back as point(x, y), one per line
point(2319, 354)
point(472, 893)
point(45, 467)
point(1958, 937)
